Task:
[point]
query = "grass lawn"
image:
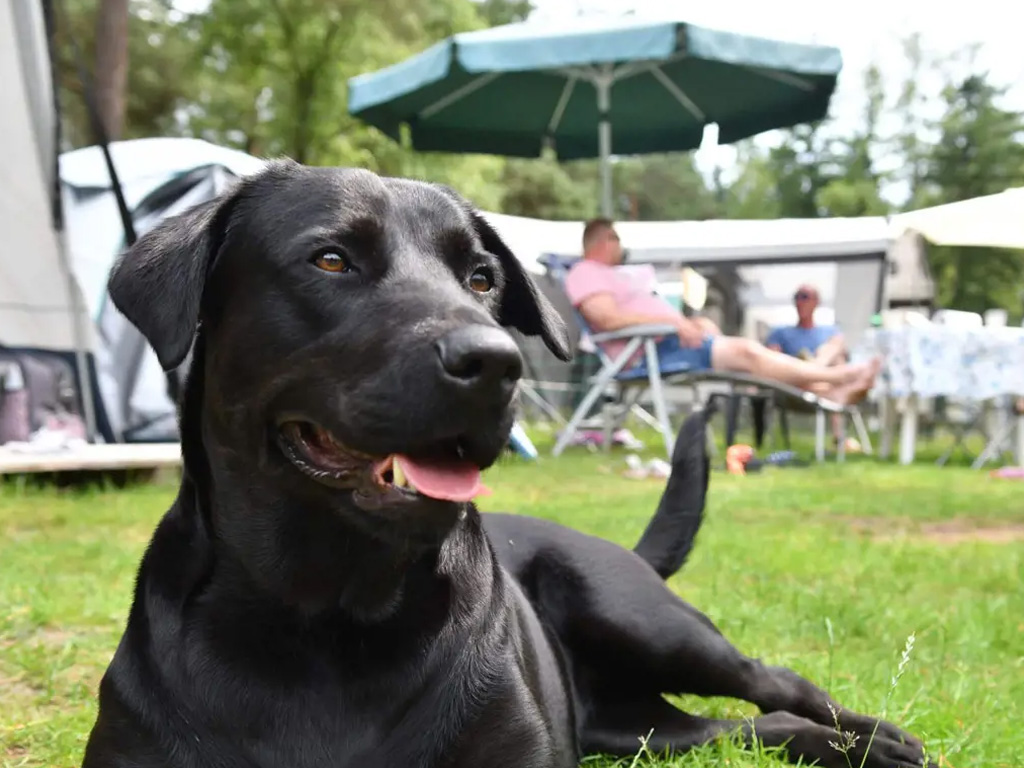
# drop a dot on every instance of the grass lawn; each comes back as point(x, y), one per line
point(828, 570)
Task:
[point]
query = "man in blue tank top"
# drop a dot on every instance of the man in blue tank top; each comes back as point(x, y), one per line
point(805, 339)
point(822, 344)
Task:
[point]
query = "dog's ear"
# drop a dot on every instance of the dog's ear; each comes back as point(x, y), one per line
point(158, 283)
point(523, 306)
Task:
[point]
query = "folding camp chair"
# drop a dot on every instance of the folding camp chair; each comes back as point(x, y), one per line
point(1000, 422)
point(634, 381)
point(1008, 438)
point(963, 419)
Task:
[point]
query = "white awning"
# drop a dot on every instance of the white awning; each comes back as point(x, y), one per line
point(995, 221)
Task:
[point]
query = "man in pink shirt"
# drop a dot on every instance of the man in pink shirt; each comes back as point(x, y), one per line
point(610, 299)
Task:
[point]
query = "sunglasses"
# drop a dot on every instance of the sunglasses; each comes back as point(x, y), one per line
point(802, 296)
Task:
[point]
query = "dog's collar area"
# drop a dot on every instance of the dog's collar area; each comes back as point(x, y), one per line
point(443, 475)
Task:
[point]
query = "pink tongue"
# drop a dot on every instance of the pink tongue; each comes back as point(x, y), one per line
point(448, 480)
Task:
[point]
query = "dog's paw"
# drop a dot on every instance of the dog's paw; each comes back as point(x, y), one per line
point(890, 745)
point(864, 726)
point(882, 752)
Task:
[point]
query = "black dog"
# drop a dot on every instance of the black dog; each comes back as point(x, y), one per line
point(322, 592)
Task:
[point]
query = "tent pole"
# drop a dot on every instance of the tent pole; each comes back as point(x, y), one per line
point(80, 317)
point(603, 84)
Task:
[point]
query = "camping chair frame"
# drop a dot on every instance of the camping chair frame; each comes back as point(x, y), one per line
point(1000, 439)
point(962, 429)
point(635, 337)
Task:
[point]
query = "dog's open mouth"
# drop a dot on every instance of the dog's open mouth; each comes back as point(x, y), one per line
point(443, 475)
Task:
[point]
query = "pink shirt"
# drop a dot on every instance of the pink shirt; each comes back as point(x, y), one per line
point(631, 287)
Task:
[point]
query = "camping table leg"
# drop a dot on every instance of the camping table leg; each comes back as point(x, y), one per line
point(1019, 448)
point(819, 435)
point(908, 431)
point(888, 414)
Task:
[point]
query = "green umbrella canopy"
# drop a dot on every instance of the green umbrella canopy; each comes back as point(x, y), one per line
point(594, 89)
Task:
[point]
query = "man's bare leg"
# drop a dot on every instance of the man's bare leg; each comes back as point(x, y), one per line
point(844, 382)
point(834, 352)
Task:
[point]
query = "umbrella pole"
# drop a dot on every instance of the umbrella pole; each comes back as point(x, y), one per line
point(604, 142)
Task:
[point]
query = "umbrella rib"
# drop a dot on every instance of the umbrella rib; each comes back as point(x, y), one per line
point(678, 94)
point(632, 68)
point(590, 74)
point(563, 102)
point(785, 78)
point(459, 93)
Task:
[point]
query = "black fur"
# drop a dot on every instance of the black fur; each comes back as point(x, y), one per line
point(282, 620)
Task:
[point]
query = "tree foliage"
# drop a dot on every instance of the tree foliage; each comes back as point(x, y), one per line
point(980, 152)
point(158, 51)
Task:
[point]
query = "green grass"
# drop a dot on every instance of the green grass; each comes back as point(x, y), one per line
point(826, 569)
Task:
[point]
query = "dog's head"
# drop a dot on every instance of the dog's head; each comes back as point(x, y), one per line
point(352, 332)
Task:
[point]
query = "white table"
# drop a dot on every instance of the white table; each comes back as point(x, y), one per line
point(972, 364)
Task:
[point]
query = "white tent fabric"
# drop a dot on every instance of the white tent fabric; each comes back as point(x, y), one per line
point(991, 220)
point(721, 241)
point(94, 229)
point(40, 306)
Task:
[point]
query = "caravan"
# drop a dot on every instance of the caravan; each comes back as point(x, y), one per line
point(45, 333)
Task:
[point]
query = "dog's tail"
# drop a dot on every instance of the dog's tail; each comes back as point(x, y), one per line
point(670, 535)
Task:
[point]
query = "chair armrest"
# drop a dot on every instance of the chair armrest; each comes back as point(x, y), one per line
point(633, 331)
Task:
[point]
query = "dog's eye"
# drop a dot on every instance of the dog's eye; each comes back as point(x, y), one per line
point(329, 261)
point(480, 281)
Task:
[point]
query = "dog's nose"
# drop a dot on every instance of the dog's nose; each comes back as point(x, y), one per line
point(480, 357)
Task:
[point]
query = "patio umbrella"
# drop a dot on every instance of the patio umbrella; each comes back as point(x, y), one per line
point(595, 89)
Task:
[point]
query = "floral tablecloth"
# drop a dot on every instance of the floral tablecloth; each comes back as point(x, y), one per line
point(937, 360)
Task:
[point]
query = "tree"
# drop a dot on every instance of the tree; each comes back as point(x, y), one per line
point(799, 167)
point(542, 189)
point(157, 45)
point(751, 195)
point(270, 77)
point(854, 186)
point(271, 80)
point(980, 151)
point(910, 142)
point(665, 187)
point(498, 12)
point(784, 180)
point(111, 71)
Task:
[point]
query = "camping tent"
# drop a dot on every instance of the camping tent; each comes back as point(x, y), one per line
point(41, 308)
point(159, 177)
